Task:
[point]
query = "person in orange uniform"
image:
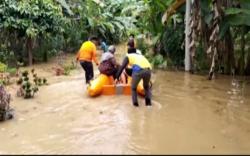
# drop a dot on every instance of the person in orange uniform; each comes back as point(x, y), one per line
point(86, 55)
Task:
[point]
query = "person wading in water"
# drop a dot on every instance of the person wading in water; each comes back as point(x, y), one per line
point(86, 55)
point(141, 69)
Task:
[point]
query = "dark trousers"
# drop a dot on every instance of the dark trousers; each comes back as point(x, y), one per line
point(128, 71)
point(88, 68)
point(145, 75)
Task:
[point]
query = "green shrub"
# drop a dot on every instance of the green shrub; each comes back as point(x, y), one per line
point(200, 62)
point(3, 67)
point(11, 71)
point(27, 88)
point(5, 80)
point(141, 44)
point(6, 56)
point(171, 44)
point(68, 67)
point(1, 82)
point(159, 61)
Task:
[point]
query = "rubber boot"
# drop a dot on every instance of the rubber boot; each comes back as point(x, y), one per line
point(136, 104)
point(148, 102)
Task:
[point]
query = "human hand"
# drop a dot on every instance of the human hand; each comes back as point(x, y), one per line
point(116, 81)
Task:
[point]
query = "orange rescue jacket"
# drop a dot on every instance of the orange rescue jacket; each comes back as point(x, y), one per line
point(87, 52)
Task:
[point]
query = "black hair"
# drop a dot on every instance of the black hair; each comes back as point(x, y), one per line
point(131, 50)
point(93, 38)
point(131, 43)
point(132, 35)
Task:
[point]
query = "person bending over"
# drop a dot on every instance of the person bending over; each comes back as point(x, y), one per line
point(141, 69)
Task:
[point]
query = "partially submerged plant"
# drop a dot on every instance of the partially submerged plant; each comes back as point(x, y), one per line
point(5, 111)
point(18, 65)
point(5, 74)
point(28, 89)
point(12, 71)
point(62, 67)
point(3, 67)
point(5, 79)
point(37, 80)
point(68, 67)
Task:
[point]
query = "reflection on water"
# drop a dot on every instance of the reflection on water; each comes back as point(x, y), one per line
point(190, 115)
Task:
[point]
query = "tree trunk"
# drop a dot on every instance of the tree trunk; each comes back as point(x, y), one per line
point(230, 50)
point(214, 39)
point(247, 70)
point(212, 68)
point(29, 45)
point(242, 57)
point(195, 32)
point(45, 50)
point(187, 39)
point(45, 56)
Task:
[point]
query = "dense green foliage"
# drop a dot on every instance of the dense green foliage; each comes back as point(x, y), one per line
point(41, 28)
point(233, 44)
point(167, 41)
point(35, 30)
point(23, 23)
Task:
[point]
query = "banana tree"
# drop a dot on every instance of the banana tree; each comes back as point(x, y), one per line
point(170, 11)
point(211, 23)
point(236, 19)
point(104, 19)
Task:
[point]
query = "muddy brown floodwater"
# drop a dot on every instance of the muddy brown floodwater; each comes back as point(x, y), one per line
point(190, 115)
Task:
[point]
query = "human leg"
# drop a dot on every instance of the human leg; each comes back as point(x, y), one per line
point(146, 85)
point(88, 68)
point(136, 77)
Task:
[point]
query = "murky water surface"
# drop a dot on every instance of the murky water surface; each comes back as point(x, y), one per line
point(190, 115)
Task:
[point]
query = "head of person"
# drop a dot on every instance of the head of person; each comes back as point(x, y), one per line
point(102, 40)
point(131, 43)
point(94, 39)
point(111, 49)
point(132, 36)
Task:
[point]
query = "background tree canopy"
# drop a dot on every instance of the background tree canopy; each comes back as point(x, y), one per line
point(38, 29)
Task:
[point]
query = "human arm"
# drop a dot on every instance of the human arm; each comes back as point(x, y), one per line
point(123, 66)
point(113, 61)
point(94, 56)
point(77, 55)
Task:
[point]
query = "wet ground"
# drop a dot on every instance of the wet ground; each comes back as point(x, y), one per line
point(190, 115)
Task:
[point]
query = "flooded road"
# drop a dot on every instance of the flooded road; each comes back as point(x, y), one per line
point(190, 115)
